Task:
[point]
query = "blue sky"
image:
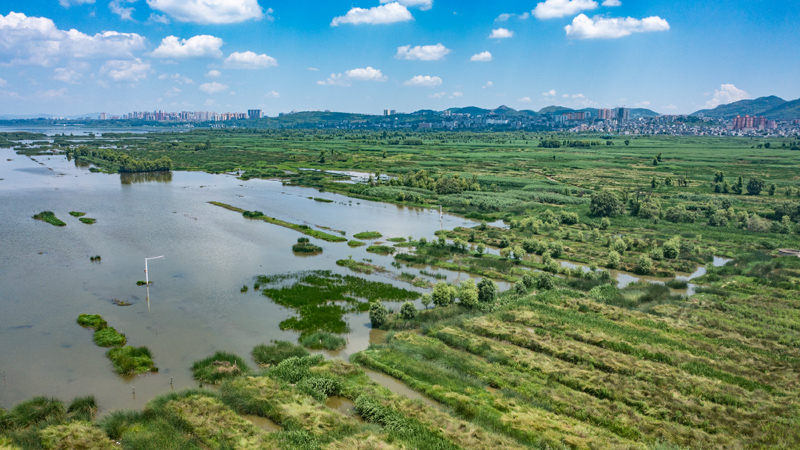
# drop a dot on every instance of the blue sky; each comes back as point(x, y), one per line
point(673, 56)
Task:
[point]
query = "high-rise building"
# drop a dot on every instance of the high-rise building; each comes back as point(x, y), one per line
point(623, 114)
point(103, 116)
point(253, 113)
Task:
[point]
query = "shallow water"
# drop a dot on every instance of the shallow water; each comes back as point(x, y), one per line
point(195, 306)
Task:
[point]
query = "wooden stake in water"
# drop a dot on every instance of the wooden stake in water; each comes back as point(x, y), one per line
point(146, 275)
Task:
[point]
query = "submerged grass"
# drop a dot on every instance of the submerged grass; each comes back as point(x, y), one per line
point(305, 229)
point(219, 366)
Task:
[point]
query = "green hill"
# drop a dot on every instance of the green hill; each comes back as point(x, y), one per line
point(787, 111)
point(757, 107)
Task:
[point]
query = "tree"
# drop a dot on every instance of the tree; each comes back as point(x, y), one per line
point(443, 294)
point(772, 189)
point(408, 311)
point(755, 186)
point(480, 248)
point(487, 291)
point(426, 300)
point(627, 142)
point(619, 245)
point(544, 281)
point(655, 161)
point(378, 314)
point(606, 204)
point(468, 293)
point(739, 186)
point(658, 157)
point(645, 264)
point(672, 248)
point(613, 260)
point(519, 288)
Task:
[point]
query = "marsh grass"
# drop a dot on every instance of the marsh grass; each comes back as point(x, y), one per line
point(360, 267)
point(368, 235)
point(83, 408)
point(305, 229)
point(76, 435)
point(88, 220)
point(77, 214)
point(354, 243)
point(49, 217)
point(304, 246)
point(380, 249)
point(93, 321)
point(109, 337)
point(219, 366)
point(268, 355)
point(129, 361)
point(323, 340)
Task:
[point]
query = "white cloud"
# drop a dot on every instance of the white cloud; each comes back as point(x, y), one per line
point(524, 100)
point(727, 93)
point(3, 82)
point(361, 74)
point(51, 94)
point(501, 33)
point(438, 95)
point(158, 18)
point(37, 40)
point(424, 5)
point(611, 3)
point(65, 75)
point(642, 104)
point(550, 93)
point(424, 81)
point(272, 94)
point(116, 7)
point(209, 11)
point(506, 16)
point(249, 60)
point(172, 92)
point(124, 70)
point(670, 107)
point(553, 9)
point(214, 74)
point(599, 27)
point(457, 94)
point(388, 13)
point(176, 77)
point(213, 88)
point(488, 85)
point(194, 47)
point(422, 52)
point(68, 3)
point(313, 69)
point(481, 57)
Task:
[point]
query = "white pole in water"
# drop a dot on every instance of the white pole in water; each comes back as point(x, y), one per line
point(146, 275)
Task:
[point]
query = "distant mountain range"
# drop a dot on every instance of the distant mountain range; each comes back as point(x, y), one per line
point(47, 116)
point(771, 107)
point(635, 113)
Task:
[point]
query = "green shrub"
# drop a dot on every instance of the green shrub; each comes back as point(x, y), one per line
point(83, 408)
point(294, 369)
point(378, 314)
point(220, 365)
point(408, 311)
point(273, 354)
point(35, 411)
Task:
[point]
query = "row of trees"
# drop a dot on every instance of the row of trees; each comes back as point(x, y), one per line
point(422, 179)
point(122, 161)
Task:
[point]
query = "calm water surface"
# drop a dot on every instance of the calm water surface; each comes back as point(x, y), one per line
point(195, 305)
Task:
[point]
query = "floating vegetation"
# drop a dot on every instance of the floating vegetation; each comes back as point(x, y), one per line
point(219, 366)
point(131, 360)
point(109, 337)
point(95, 258)
point(322, 200)
point(305, 229)
point(368, 235)
point(380, 249)
point(119, 302)
point(413, 279)
point(438, 276)
point(322, 298)
point(360, 267)
point(142, 283)
point(93, 321)
point(397, 239)
point(354, 243)
point(268, 355)
point(244, 289)
point(88, 220)
point(49, 217)
point(77, 214)
point(304, 246)
point(677, 284)
point(322, 339)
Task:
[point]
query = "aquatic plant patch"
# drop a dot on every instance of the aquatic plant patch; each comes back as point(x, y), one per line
point(219, 366)
point(131, 360)
point(49, 217)
point(267, 355)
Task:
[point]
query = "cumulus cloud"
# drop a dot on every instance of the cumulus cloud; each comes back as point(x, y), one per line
point(176, 77)
point(65, 75)
point(214, 74)
point(126, 70)
point(727, 93)
point(524, 100)
point(388, 13)
point(158, 18)
point(438, 95)
point(213, 87)
point(488, 85)
point(249, 60)
point(481, 57)
point(642, 104)
point(553, 9)
point(209, 11)
point(68, 3)
point(424, 5)
point(422, 52)
point(501, 33)
point(457, 94)
point(194, 47)
point(599, 27)
point(550, 93)
point(505, 17)
point(172, 92)
point(424, 81)
point(117, 7)
point(37, 40)
point(610, 3)
point(272, 94)
point(346, 79)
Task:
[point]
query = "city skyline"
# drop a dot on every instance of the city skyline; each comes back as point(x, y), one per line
point(71, 57)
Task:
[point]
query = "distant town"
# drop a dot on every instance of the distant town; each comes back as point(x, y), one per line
point(621, 120)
